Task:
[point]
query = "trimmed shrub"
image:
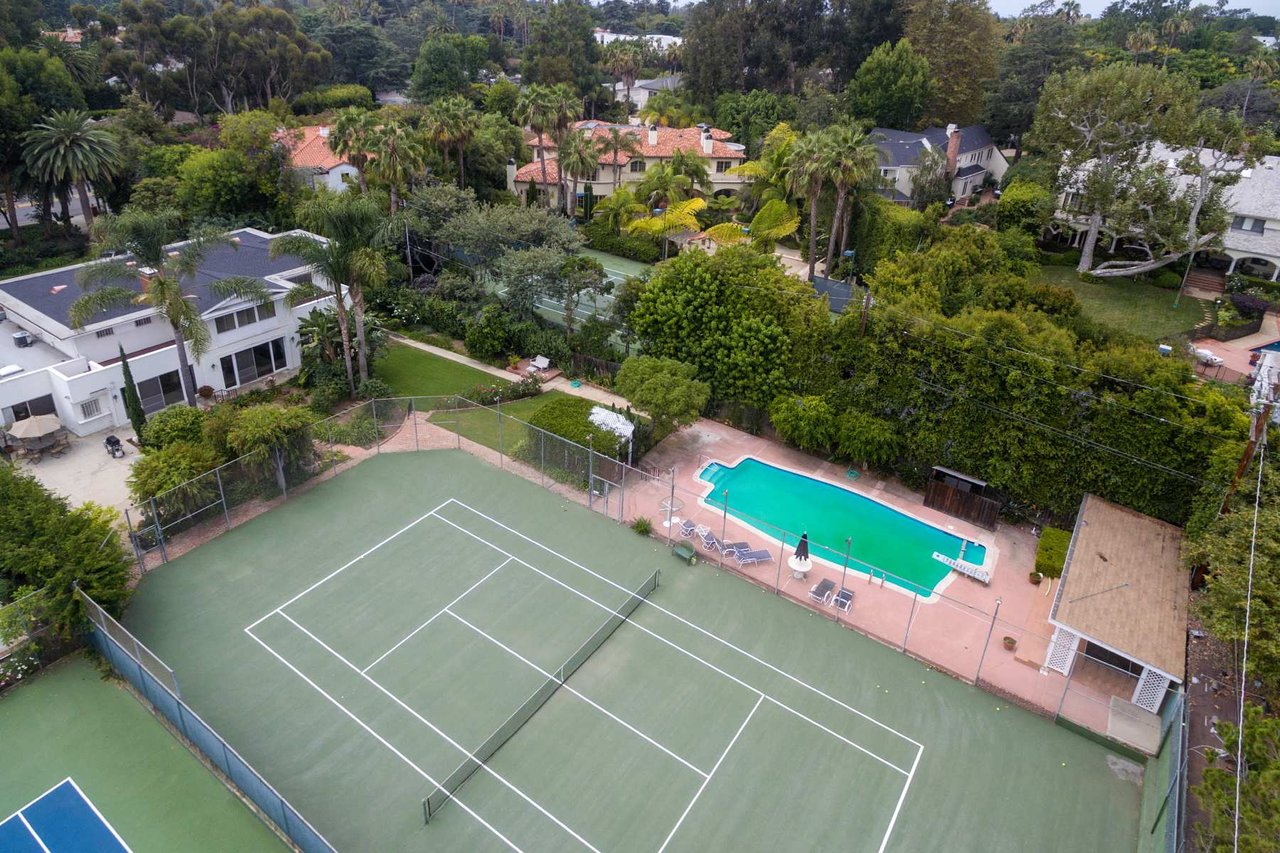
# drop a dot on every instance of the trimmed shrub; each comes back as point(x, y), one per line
point(490, 335)
point(373, 388)
point(504, 392)
point(1069, 258)
point(633, 246)
point(333, 98)
point(1166, 278)
point(174, 424)
point(1051, 553)
point(169, 473)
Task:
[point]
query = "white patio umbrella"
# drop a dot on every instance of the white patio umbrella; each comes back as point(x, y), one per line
point(37, 426)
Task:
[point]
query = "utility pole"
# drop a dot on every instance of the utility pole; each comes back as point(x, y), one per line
point(1264, 399)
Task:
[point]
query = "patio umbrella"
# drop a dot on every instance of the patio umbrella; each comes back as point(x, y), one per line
point(802, 547)
point(37, 426)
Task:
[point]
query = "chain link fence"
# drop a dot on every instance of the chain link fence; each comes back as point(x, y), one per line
point(27, 642)
point(158, 684)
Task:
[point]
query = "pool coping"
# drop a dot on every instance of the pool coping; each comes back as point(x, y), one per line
point(992, 550)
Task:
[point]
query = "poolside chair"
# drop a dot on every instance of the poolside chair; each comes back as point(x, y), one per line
point(843, 600)
point(711, 542)
point(687, 527)
point(821, 592)
point(747, 556)
point(540, 362)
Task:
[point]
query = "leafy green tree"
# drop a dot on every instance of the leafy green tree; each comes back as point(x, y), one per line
point(580, 276)
point(132, 402)
point(446, 65)
point(46, 544)
point(669, 109)
point(173, 475)
point(692, 166)
point(563, 48)
point(1259, 820)
point(501, 98)
point(66, 147)
point(490, 335)
point(807, 422)
point(1046, 46)
point(867, 438)
point(959, 39)
point(487, 232)
point(892, 87)
point(217, 184)
point(752, 115)
point(1102, 122)
point(272, 439)
point(663, 388)
point(362, 53)
point(675, 218)
point(930, 184)
point(618, 209)
point(528, 273)
point(144, 235)
point(1026, 206)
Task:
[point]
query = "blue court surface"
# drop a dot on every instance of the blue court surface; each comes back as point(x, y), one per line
point(61, 820)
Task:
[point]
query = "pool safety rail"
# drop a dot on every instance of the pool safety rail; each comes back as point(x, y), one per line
point(158, 684)
point(938, 627)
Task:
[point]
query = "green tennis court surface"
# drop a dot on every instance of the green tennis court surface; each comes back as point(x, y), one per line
point(69, 722)
point(362, 643)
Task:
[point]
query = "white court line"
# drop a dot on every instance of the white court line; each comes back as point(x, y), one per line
point(679, 618)
point(439, 732)
point(414, 632)
point(688, 653)
point(31, 829)
point(424, 774)
point(338, 571)
point(105, 822)
point(707, 781)
point(884, 842)
point(565, 686)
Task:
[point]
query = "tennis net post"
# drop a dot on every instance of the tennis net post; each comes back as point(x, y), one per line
point(448, 787)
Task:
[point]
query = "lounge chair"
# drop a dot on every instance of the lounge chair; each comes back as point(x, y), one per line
point(746, 556)
point(540, 362)
point(843, 600)
point(711, 542)
point(687, 528)
point(821, 592)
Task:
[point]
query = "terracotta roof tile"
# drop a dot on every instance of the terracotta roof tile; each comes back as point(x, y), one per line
point(533, 172)
point(670, 140)
point(309, 149)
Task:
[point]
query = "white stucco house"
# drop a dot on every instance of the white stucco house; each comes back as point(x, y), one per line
point(49, 367)
point(661, 42)
point(655, 145)
point(971, 158)
point(643, 90)
point(1251, 244)
point(310, 155)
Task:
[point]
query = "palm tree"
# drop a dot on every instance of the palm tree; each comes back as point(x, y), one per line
point(676, 217)
point(661, 186)
point(400, 159)
point(622, 59)
point(1260, 69)
point(1173, 27)
point(535, 109)
point(775, 221)
point(166, 271)
point(81, 63)
point(614, 144)
point(353, 226)
point(578, 161)
point(67, 147)
point(806, 178)
point(567, 107)
point(693, 166)
point(851, 159)
point(1070, 11)
point(767, 176)
point(1140, 41)
point(451, 123)
point(618, 209)
point(354, 137)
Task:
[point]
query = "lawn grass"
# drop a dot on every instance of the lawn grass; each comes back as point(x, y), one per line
point(1141, 309)
point(415, 373)
point(481, 425)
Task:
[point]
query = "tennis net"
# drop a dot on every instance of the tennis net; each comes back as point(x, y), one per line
point(455, 780)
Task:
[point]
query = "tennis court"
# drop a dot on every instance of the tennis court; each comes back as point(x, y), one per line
point(61, 820)
point(426, 636)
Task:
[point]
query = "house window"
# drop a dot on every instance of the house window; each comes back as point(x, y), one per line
point(105, 333)
point(244, 317)
point(891, 174)
point(142, 321)
point(723, 166)
point(160, 391)
point(637, 166)
point(989, 150)
point(90, 409)
point(253, 363)
point(1248, 223)
point(35, 406)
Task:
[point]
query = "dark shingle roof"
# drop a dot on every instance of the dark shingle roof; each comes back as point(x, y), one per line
point(52, 293)
point(971, 169)
point(903, 147)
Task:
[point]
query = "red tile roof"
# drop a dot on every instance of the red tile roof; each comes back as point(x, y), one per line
point(309, 149)
point(533, 172)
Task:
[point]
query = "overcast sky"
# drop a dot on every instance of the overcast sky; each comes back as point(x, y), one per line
point(1095, 7)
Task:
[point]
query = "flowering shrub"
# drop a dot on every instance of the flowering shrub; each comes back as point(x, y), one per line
point(504, 392)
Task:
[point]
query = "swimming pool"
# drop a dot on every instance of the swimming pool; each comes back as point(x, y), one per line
point(772, 499)
point(1274, 346)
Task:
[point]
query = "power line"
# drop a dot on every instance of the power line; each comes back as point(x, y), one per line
point(1244, 656)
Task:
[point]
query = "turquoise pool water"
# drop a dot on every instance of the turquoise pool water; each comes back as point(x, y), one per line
point(772, 499)
point(1274, 346)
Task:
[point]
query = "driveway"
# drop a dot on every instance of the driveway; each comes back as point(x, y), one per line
point(87, 473)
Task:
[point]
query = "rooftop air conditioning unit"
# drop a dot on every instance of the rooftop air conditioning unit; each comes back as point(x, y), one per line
point(23, 339)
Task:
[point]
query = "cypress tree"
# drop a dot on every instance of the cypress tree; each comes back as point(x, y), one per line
point(132, 402)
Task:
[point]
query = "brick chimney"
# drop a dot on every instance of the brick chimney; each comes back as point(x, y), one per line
point(145, 277)
point(653, 136)
point(953, 148)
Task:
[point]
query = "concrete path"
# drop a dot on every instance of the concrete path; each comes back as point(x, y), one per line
point(86, 472)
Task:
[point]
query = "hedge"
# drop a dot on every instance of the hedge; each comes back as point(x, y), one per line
point(637, 248)
point(333, 98)
point(1051, 553)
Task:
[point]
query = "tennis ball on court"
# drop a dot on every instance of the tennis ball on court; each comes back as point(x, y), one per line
point(1064, 764)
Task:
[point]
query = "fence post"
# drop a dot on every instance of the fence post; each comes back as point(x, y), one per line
point(777, 582)
point(915, 597)
point(155, 517)
point(222, 496)
point(542, 470)
point(414, 418)
point(591, 490)
point(724, 527)
point(671, 504)
point(377, 430)
point(987, 644)
point(622, 496)
point(284, 481)
point(133, 540)
point(501, 455)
